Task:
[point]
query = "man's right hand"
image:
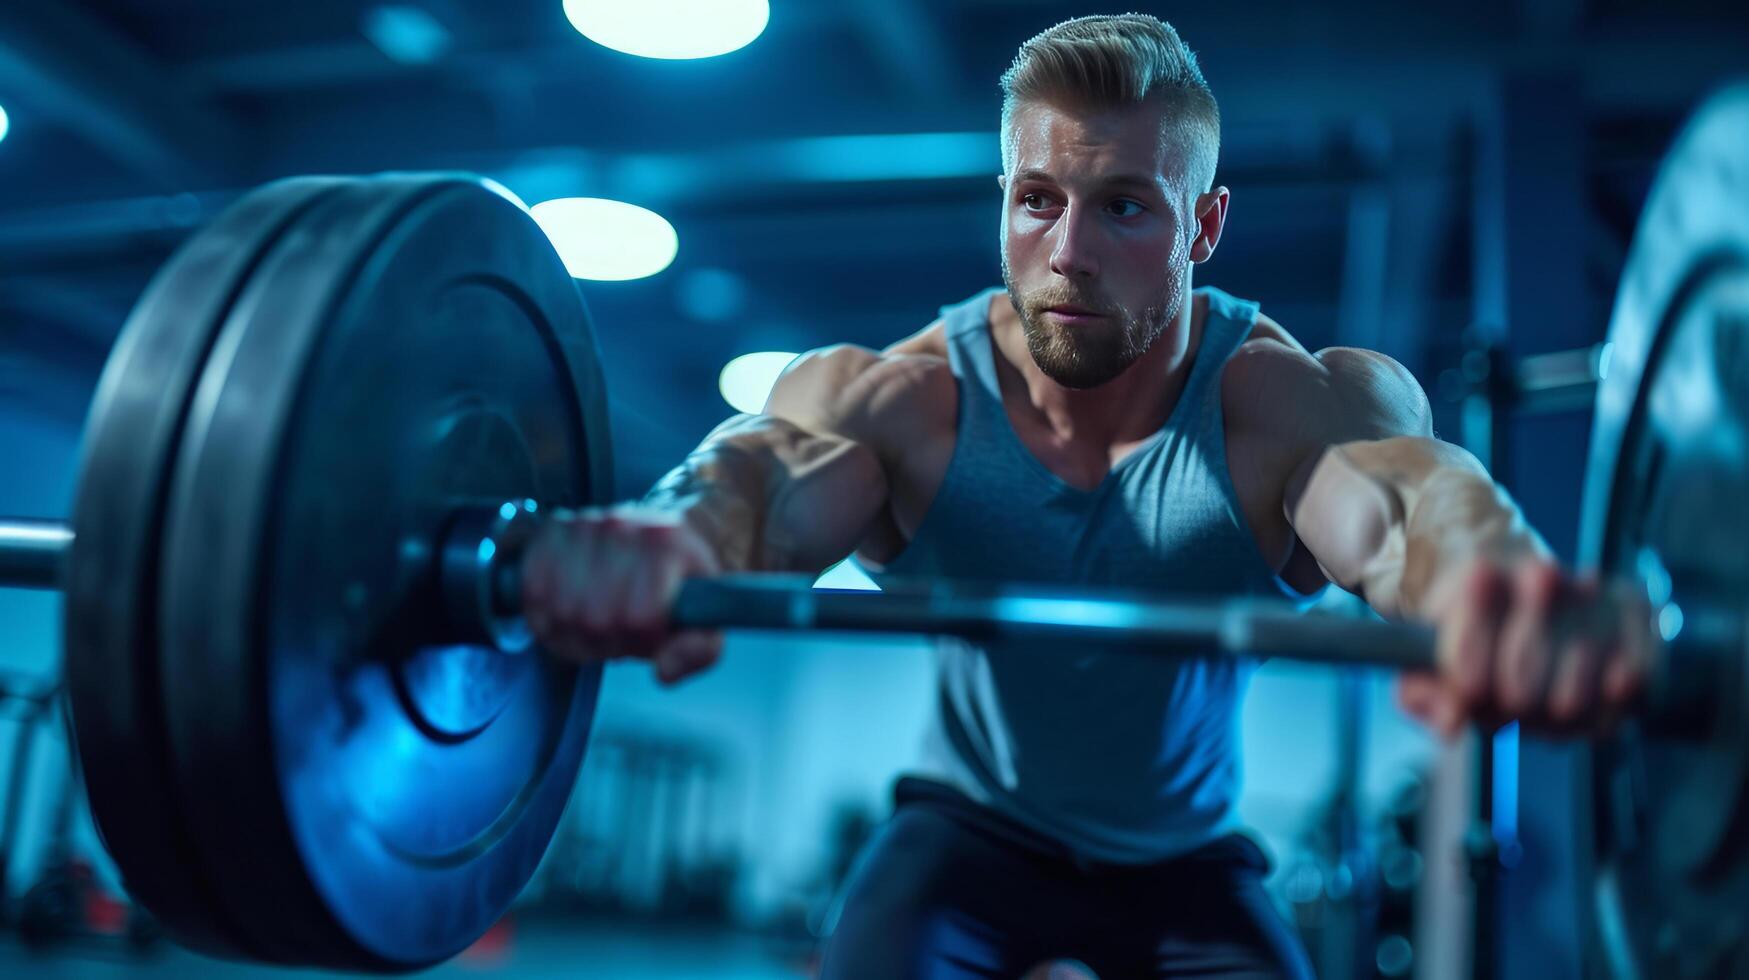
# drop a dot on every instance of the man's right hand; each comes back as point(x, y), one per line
point(598, 584)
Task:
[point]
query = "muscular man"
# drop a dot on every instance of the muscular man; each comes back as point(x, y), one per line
point(1098, 422)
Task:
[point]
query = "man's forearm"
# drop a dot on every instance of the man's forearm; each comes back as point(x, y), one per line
point(721, 491)
point(1455, 517)
point(1393, 519)
point(769, 495)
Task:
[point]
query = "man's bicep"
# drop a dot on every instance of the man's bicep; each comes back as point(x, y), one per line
point(832, 481)
point(1363, 430)
point(828, 493)
point(1344, 396)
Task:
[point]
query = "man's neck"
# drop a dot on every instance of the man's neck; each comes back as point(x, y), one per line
point(1126, 409)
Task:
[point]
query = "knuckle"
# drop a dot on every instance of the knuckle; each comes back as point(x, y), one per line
point(1485, 579)
point(1469, 664)
point(572, 616)
point(1519, 691)
point(1543, 580)
point(642, 627)
point(1563, 708)
point(1566, 696)
point(536, 588)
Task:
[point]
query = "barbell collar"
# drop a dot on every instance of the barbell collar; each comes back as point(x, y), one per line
point(33, 552)
point(480, 588)
point(1692, 687)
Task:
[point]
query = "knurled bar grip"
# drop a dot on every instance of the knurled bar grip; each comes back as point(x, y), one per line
point(483, 584)
point(975, 611)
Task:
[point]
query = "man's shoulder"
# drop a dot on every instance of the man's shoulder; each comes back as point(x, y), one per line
point(1272, 381)
point(1267, 359)
point(931, 341)
point(985, 309)
point(865, 394)
point(857, 372)
point(1265, 330)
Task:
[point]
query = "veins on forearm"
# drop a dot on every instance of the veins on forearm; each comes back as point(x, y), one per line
point(720, 491)
point(1459, 516)
point(760, 490)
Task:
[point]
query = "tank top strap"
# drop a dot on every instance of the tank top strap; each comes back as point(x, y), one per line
point(971, 355)
point(1227, 325)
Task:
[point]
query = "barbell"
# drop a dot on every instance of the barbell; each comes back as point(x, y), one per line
point(310, 728)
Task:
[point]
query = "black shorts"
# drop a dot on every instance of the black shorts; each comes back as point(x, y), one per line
point(948, 888)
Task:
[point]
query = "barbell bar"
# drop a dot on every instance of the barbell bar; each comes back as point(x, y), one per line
point(477, 579)
point(32, 552)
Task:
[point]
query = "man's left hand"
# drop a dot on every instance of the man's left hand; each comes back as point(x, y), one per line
point(1529, 641)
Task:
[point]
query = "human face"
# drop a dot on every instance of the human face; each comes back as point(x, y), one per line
point(1098, 234)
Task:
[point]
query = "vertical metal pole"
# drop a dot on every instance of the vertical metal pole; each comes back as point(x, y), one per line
point(1366, 269)
point(1487, 431)
point(1529, 276)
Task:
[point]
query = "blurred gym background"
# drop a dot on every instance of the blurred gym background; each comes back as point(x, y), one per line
point(1422, 179)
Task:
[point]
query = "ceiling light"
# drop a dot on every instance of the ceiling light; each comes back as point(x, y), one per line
point(673, 29)
point(746, 381)
point(607, 240)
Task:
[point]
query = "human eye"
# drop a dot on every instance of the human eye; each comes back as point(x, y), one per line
point(1124, 207)
point(1036, 201)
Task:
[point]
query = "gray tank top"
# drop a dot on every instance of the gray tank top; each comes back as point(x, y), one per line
point(1121, 757)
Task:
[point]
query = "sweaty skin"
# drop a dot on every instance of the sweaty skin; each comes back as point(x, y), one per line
point(1332, 455)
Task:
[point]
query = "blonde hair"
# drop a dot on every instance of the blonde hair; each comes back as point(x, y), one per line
point(1107, 62)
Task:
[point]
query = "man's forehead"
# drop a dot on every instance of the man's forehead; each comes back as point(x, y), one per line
point(1108, 179)
point(1109, 148)
point(1039, 131)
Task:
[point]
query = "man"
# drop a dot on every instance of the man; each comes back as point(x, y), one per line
point(1098, 422)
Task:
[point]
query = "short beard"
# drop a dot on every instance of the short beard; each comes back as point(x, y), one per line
point(1089, 356)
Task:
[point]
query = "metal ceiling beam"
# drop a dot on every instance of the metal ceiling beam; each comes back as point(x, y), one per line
point(909, 44)
point(74, 69)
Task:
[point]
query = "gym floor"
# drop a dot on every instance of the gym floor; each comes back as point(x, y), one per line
point(528, 950)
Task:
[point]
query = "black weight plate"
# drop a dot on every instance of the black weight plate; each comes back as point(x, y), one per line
point(1667, 495)
point(368, 796)
point(130, 441)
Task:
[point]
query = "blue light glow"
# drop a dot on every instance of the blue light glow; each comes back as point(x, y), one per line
point(405, 33)
point(746, 381)
point(1670, 622)
point(488, 548)
point(1505, 816)
point(699, 173)
point(847, 574)
point(888, 156)
point(503, 192)
point(5, 123)
point(1054, 611)
point(671, 29)
point(608, 241)
point(712, 295)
